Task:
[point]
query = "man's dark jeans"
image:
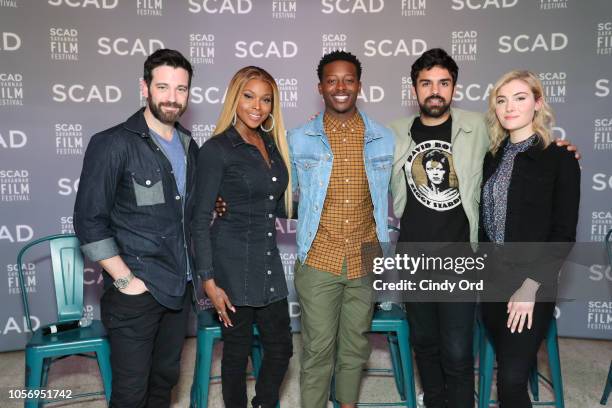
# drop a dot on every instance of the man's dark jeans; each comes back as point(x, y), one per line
point(274, 328)
point(146, 341)
point(442, 334)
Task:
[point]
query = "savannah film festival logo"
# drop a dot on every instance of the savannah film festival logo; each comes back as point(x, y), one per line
point(411, 8)
point(149, 7)
point(14, 185)
point(604, 38)
point(555, 86)
point(602, 134)
point(601, 223)
point(201, 132)
point(68, 139)
point(553, 4)
point(66, 225)
point(64, 44)
point(29, 278)
point(464, 45)
point(11, 89)
point(284, 9)
point(408, 97)
point(599, 315)
point(333, 42)
point(201, 48)
point(288, 90)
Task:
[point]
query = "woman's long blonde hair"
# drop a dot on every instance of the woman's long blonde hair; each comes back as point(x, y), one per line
point(543, 119)
point(234, 90)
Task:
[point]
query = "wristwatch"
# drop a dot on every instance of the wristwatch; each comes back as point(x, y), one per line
point(121, 283)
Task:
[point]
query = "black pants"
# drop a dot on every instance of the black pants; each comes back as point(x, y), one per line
point(442, 334)
point(275, 333)
point(515, 352)
point(146, 341)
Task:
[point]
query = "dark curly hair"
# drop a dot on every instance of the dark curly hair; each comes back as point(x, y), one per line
point(432, 58)
point(338, 56)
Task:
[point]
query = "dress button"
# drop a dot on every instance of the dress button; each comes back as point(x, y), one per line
point(271, 289)
point(269, 272)
point(269, 234)
point(347, 180)
point(273, 178)
point(320, 183)
point(271, 197)
point(178, 197)
point(346, 201)
point(270, 215)
point(268, 253)
point(148, 182)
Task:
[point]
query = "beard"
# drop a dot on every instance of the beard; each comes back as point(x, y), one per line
point(434, 111)
point(167, 118)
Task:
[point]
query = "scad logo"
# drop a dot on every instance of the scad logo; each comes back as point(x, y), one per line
point(604, 38)
point(352, 6)
point(526, 43)
point(482, 4)
point(288, 90)
point(555, 86)
point(13, 139)
point(333, 42)
point(99, 4)
point(29, 278)
point(220, 6)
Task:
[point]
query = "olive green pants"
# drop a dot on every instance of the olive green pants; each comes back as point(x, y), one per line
point(336, 315)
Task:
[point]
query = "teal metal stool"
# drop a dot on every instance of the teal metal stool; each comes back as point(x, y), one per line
point(42, 350)
point(487, 360)
point(209, 332)
point(395, 325)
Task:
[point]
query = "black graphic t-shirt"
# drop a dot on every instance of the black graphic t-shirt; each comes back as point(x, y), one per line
point(433, 211)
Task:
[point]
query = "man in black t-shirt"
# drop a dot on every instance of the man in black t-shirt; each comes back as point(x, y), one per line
point(436, 180)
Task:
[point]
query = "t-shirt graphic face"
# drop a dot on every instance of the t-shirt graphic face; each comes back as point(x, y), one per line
point(431, 175)
point(433, 211)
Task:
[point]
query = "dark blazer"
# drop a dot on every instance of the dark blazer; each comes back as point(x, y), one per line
point(543, 196)
point(542, 206)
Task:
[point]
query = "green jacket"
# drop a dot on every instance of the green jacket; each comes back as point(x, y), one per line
point(469, 144)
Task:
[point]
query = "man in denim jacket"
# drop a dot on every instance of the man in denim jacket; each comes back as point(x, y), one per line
point(341, 164)
point(134, 197)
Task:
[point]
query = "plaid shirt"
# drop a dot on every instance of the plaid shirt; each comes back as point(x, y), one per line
point(347, 220)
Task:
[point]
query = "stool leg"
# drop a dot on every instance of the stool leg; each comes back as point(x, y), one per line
point(607, 388)
point(201, 376)
point(534, 382)
point(256, 356)
point(103, 357)
point(34, 369)
point(552, 345)
point(396, 363)
point(403, 339)
point(485, 370)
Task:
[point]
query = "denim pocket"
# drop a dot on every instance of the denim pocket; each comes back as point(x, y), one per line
point(148, 192)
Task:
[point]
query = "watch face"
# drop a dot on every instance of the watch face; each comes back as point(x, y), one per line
point(121, 283)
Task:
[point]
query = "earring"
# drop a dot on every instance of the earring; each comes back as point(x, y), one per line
point(271, 127)
point(234, 120)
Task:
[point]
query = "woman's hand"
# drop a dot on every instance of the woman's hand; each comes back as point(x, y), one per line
point(520, 306)
point(220, 300)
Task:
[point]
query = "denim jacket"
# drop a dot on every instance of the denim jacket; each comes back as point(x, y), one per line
point(312, 160)
point(128, 204)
